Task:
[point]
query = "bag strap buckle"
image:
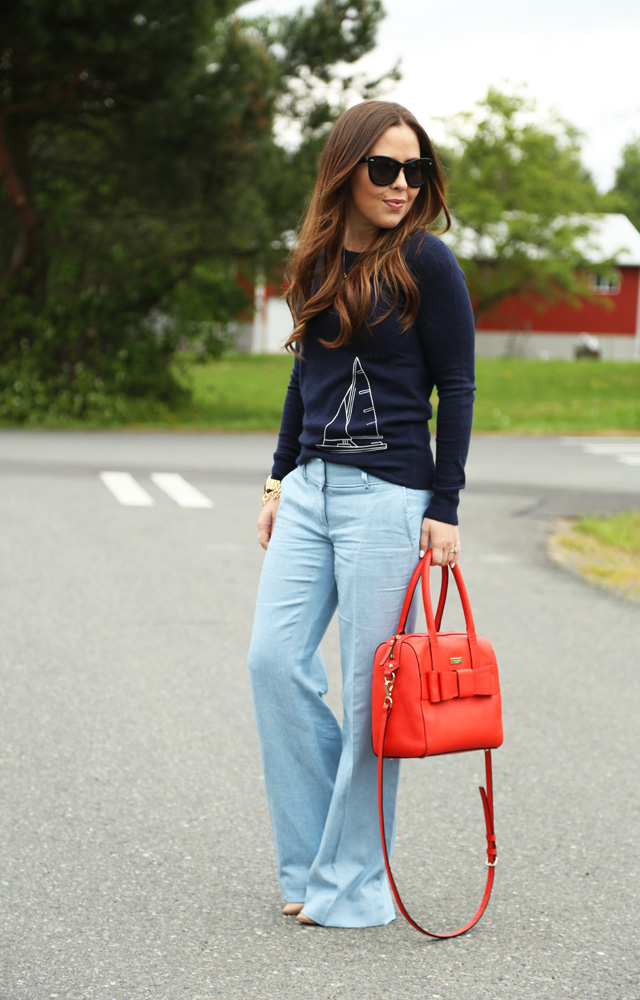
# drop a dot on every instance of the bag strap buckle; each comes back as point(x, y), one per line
point(389, 681)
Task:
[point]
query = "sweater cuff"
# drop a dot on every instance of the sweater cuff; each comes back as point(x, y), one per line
point(281, 468)
point(444, 506)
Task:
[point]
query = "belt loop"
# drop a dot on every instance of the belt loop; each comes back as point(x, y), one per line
point(365, 479)
point(324, 467)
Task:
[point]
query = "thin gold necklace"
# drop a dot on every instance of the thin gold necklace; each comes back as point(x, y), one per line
point(345, 269)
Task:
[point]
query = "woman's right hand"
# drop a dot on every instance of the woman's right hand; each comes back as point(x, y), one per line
point(267, 520)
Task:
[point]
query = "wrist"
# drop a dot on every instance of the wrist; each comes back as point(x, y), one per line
point(271, 490)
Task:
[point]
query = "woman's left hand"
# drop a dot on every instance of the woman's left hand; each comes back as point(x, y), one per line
point(443, 538)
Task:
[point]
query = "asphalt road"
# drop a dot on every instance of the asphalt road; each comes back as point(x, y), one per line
point(135, 851)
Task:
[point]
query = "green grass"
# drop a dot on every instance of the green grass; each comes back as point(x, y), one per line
point(245, 392)
point(557, 397)
point(619, 530)
point(241, 392)
point(604, 550)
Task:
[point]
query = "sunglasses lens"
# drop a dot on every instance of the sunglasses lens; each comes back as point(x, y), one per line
point(416, 173)
point(382, 170)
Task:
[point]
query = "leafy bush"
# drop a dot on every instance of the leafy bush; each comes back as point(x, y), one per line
point(86, 358)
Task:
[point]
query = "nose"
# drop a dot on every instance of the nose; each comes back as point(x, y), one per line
point(400, 181)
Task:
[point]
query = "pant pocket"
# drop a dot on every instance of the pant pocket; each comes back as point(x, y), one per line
point(415, 505)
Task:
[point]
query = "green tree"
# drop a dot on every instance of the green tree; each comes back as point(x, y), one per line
point(521, 199)
point(141, 169)
point(625, 194)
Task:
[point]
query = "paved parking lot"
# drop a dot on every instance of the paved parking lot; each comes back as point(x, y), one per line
point(136, 854)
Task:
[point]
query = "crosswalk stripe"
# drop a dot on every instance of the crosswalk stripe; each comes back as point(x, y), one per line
point(603, 442)
point(607, 448)
point(624, 451)
point(126, 490)
point(184, 494)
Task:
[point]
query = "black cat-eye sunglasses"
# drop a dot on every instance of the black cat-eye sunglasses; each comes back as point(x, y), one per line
point(383, 170)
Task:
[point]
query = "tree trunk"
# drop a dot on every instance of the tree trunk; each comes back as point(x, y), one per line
point(26, 245)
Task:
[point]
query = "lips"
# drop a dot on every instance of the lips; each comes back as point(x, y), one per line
point(395, 204)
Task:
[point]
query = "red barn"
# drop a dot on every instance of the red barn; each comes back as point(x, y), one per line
point(518, 326)
point(530, 328)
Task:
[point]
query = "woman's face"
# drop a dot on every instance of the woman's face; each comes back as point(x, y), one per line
point(372, 207)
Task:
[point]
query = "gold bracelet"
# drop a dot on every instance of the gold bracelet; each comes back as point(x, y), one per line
point(271, 490)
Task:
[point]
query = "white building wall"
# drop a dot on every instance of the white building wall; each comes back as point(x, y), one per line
point(499, 344)
point(271, 324)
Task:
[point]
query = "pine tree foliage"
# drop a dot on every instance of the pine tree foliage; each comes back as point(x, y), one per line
point(141, 168)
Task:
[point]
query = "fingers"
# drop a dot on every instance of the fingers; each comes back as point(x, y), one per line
point(444, 557)
point(266, 522)
point(444, 540)
point(264, 537)
point(425, 536)
point(265, 527)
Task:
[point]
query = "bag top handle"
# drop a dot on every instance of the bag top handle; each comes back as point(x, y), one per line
point(433, 624)
point(408, 597)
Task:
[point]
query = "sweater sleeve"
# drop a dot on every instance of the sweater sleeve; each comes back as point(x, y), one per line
point(288, 449)
point(445, 322)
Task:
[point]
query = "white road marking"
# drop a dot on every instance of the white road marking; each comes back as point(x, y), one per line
point(184, 494)
point(607, 448)
point(625, 451)
point(126, 490)
point(632, 439)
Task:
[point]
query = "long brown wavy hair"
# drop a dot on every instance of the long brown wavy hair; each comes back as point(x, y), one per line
point(315, 266)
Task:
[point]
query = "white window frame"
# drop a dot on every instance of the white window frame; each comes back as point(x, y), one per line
point(605, 286)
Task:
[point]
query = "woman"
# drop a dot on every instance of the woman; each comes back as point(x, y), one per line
point(381, 315)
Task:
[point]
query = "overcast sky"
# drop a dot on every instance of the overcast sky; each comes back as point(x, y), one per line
point(581, 59)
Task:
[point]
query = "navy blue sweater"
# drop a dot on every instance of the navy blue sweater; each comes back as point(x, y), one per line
point(367, 403)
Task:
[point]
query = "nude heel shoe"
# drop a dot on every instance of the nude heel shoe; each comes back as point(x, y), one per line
point(292, 909)
point(302, 918)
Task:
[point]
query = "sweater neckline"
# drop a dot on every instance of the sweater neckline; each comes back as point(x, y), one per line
point(348, 259)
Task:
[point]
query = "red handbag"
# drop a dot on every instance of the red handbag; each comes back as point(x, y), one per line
point(437, 693)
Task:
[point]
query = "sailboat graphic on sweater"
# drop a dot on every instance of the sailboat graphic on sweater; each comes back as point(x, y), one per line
point(355, 425)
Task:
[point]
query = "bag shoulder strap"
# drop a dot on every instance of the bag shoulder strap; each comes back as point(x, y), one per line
point(492, 857)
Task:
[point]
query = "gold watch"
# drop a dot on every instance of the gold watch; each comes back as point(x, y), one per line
point(271, 490)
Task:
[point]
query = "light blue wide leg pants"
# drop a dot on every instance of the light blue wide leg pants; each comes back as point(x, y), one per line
point(348, 539)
